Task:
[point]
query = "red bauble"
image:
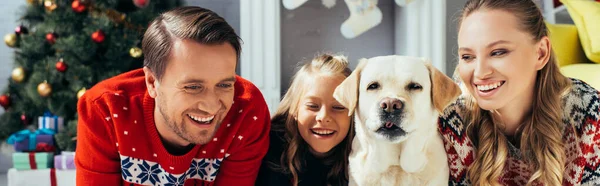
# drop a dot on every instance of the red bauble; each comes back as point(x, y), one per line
point(78, 6)
point(5, 101)
point(24, 119)
point(98, 36)
point(51, 37)
point(21, 30)
point(141, 3)
point(61, 66)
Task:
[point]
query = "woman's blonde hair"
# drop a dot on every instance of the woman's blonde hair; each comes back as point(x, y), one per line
point(283, 121)
point(540, 135)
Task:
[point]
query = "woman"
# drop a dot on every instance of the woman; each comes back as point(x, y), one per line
point(522, 122)
point(311, 132)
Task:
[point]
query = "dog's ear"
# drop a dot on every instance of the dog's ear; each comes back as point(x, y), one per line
point(347, 92)
point(443, 90)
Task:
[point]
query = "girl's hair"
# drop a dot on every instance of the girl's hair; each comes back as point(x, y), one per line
point(283, 121)
point(540, 135)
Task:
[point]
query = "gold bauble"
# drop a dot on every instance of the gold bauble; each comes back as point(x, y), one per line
point(18, 74)
point(44, 89)
point(50, 5)
point(10, 39)
point(135, 52)
point(81, 92)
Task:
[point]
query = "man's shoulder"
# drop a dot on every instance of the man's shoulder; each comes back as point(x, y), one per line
point(129, 83)
point(248, 94)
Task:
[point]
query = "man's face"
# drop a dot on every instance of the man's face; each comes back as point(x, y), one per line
point(195, 93)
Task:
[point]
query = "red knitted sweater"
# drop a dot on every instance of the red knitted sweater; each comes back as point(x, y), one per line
point(118, 143)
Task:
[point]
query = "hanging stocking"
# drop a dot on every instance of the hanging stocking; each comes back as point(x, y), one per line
point(292, 4)
point(328, 3)
point(402, 3)
point(364, 15)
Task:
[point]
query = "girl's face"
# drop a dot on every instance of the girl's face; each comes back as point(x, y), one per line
point(322, 121)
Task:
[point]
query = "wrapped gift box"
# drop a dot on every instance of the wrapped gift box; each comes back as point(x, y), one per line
point(41, 177)
point(64, 161)
point(52, 122)
point(33, 141)
point(32, 160)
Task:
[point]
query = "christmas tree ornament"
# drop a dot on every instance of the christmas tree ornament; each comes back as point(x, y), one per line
point(10, 40)
point(5, 101)
point(78, 6)
point(293, 4)
point(61, 66)
point(364, 15)
point(21, 30)
point(31, 2)
point(44, 89)
point(141, 3)
point(24, 119)
point(81, 92)
point(50, 5)
point(135, 52)
point(51, 37)
point(18, 74)
point(98, 36)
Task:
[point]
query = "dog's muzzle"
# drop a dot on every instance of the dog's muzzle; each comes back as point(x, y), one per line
point(391, 111)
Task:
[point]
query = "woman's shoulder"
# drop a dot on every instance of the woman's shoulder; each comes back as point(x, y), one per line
point(582, 116)
point(451, 120)
point(457, 144)
point(581, 104)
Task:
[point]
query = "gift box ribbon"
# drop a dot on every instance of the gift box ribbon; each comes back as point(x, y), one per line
point(45, 122)
point(52, 177)
point(32, 163)
point(24, 134)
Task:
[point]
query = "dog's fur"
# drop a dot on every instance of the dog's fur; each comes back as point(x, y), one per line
point(410, 152)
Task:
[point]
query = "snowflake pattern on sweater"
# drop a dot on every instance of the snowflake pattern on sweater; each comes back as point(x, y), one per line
point(582, 141)
point(146, 172)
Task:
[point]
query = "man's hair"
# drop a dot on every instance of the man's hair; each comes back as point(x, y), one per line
point(195, 23)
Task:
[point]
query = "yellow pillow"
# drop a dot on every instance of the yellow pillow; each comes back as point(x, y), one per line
point(565, 44)
point(587, 72)
point(586, 14)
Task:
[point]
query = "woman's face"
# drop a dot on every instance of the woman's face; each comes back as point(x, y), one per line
point(498, 61)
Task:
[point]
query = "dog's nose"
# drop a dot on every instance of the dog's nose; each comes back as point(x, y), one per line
point(390, 105)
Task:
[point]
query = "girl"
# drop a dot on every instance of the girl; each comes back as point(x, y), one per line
point(522, 122)
point(311, 132)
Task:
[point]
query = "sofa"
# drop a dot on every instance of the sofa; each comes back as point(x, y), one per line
point(577, 47)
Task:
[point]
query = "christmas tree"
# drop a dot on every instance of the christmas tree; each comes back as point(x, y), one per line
point(62, 48)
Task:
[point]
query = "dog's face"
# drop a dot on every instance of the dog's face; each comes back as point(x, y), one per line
point(395, 96)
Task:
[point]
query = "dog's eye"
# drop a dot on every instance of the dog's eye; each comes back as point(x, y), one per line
point(373, 86)
point(414, 86)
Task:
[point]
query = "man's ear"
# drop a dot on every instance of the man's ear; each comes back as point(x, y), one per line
point(347, 92)
point(151, 82)
point(543, 51)
point(443, 90)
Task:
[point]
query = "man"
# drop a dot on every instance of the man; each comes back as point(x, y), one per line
point(184, 119)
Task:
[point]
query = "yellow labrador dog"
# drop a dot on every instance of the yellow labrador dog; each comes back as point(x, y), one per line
point(396, 101)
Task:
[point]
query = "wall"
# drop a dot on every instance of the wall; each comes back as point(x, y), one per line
point(312, 28)
point(453, 11)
